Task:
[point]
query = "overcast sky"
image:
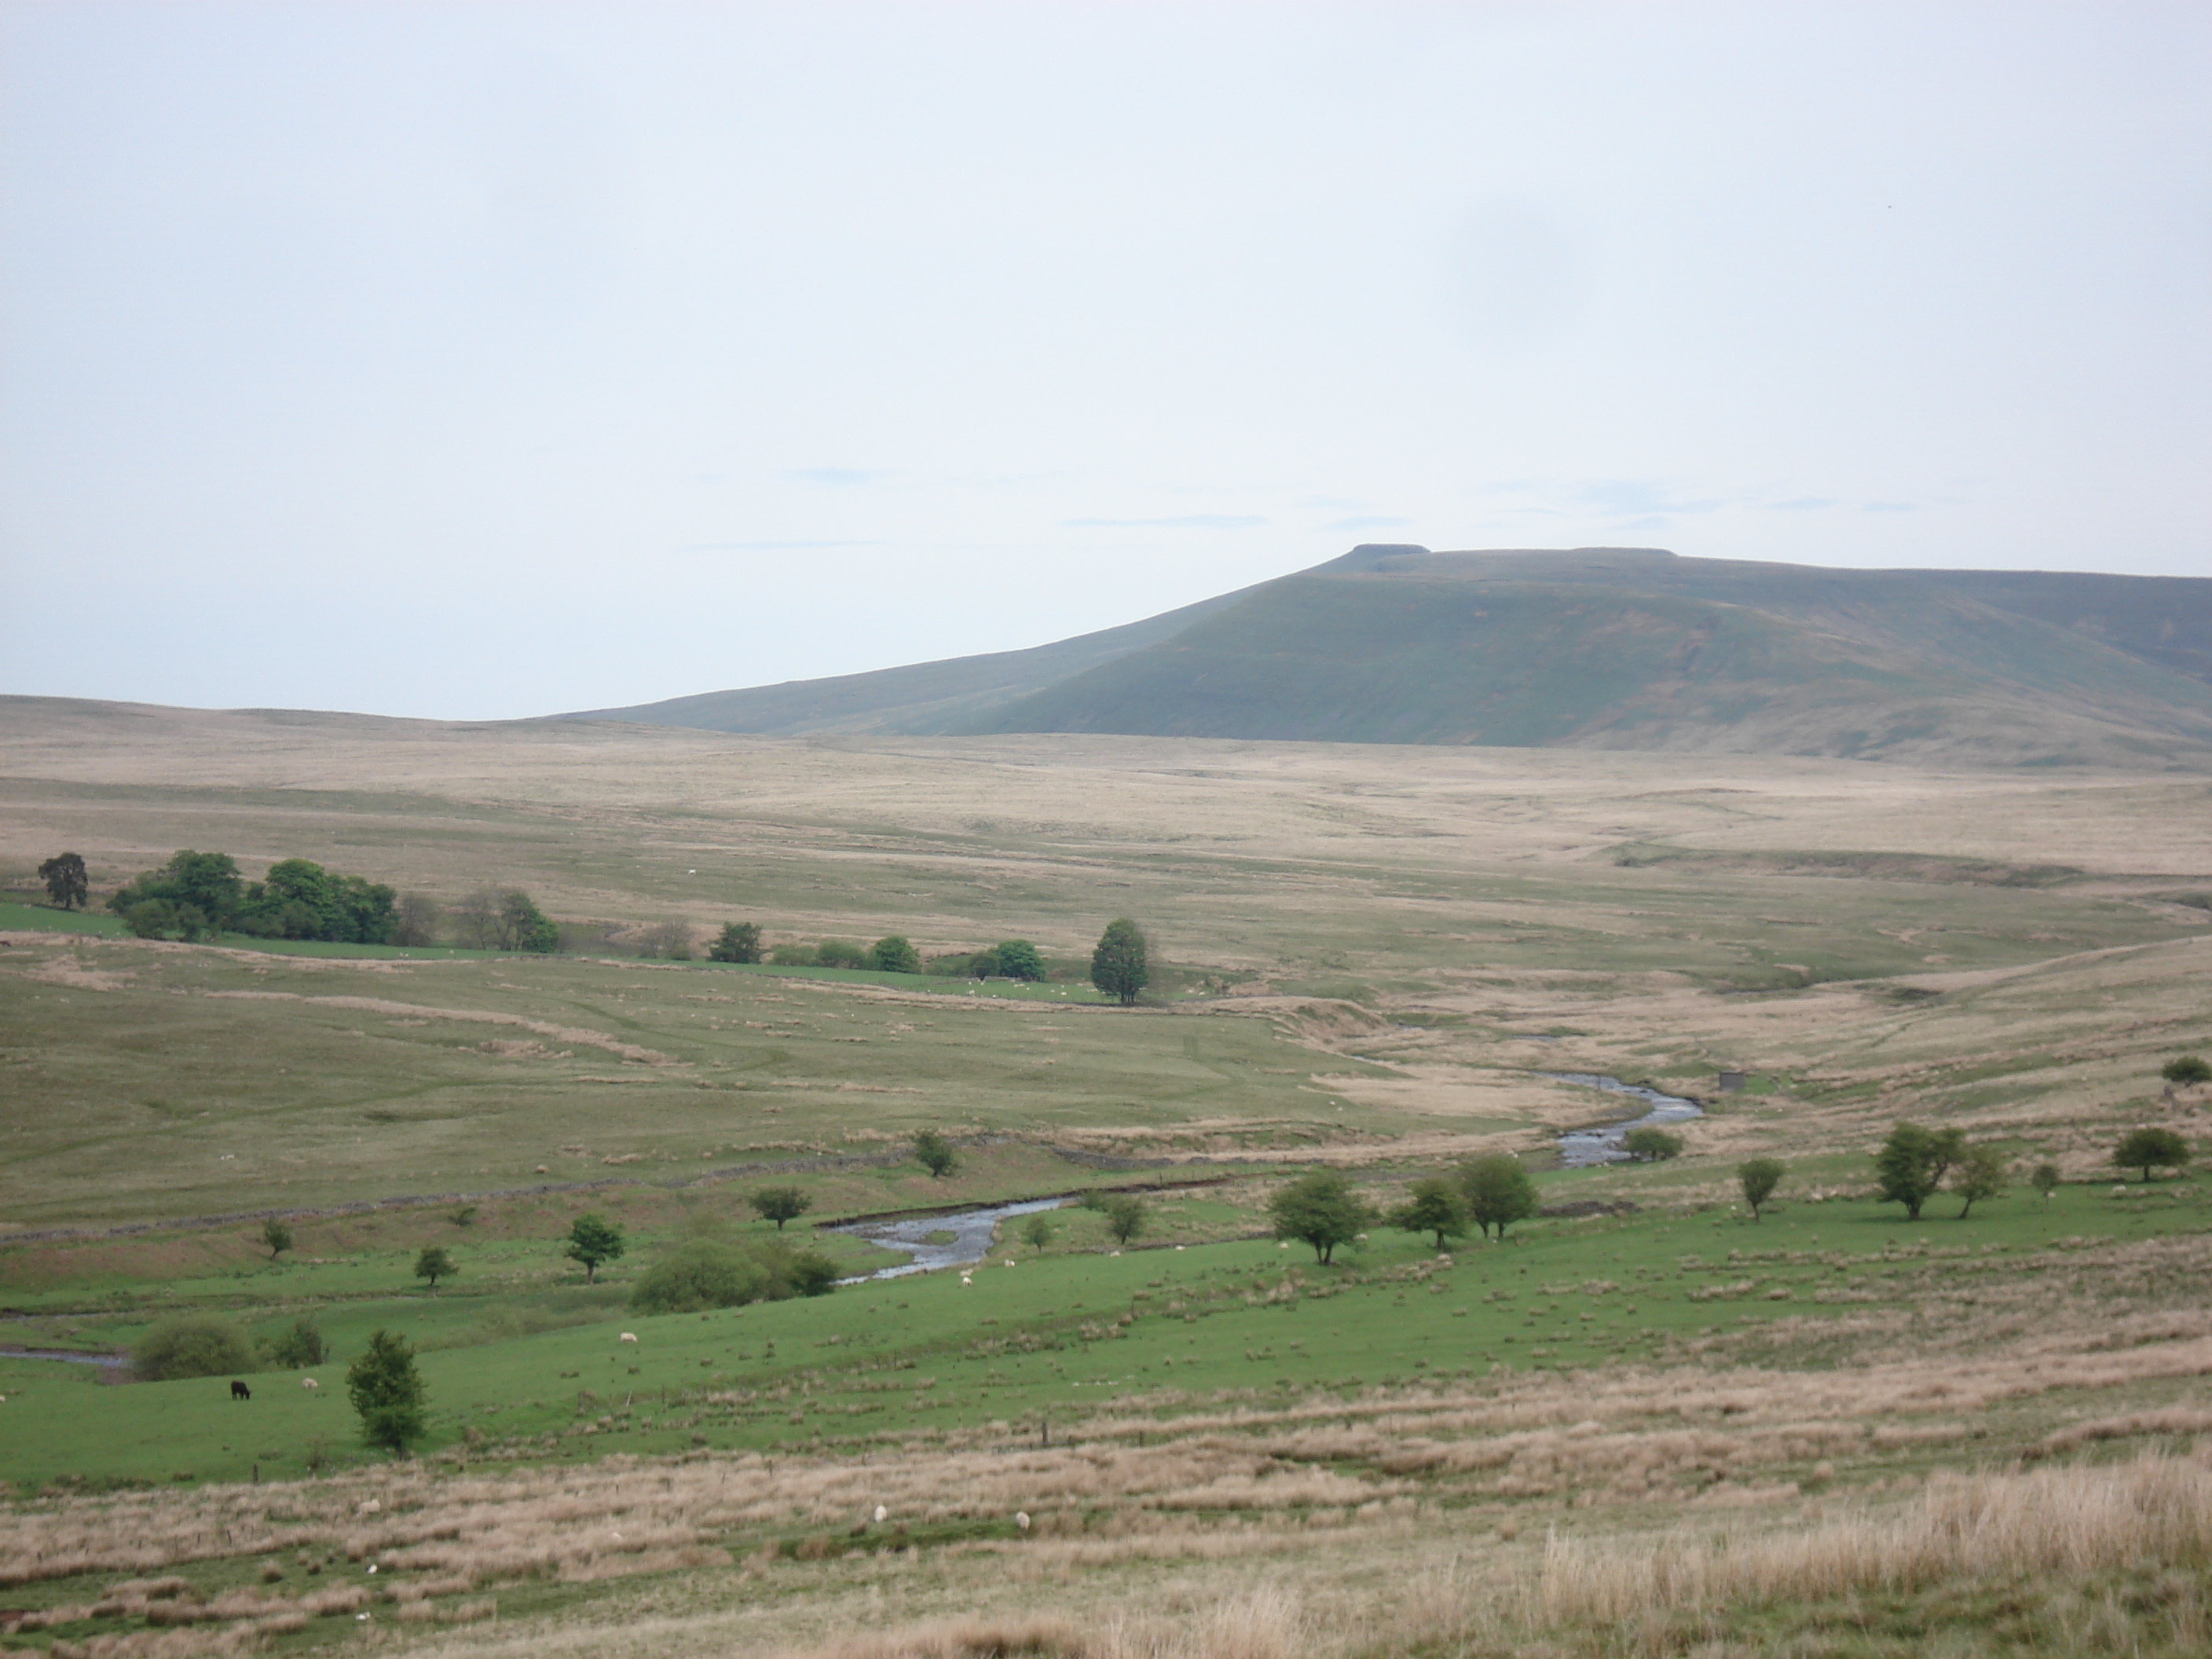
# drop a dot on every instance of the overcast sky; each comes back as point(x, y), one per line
point(495, 360)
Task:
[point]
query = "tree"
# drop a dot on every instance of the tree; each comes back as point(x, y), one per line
point(1498, 1192)
point(739, 941)
point(594, 1242)
point(1980, 1173)
point(2148, 1149)
point(298, 1348)
point(894, 953)
point(780, 1204)
point(1647, 1144)
point(1125, 1217)
point(276, 1236)
point(1432, 1205)
point(67, 884)
point(1036, 1232)
point(983, 964)
point(936, 1154)
point(672, 939)
point(434, 1264)
point(1319, 1208)
point(2183, 1072)
point(195, 1344)
point(415, 921)
point(1019, 959)
point(387, 1392)
point(705, 1273)
point(1910, 1166)
point(160, 918)
point(206, 884)
point(1758, 1177)
point(1118, 965)
point(520, 926)
point(2045, 1180)
point(840, 953)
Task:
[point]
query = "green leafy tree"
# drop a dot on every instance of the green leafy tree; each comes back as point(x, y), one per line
point(276, 1236)
point(1498, 1192)
point(524, 927)
point(2045, 1180)
point(704, 1273)
point(1019, 959)
point(595, 1241)
point(204, 882)
point(1758, 1177)
point(1125, 1217)
point(387, 1392)
point(780, 1204)
point(983, 964)
point(2183, 1072)
point(840, 953)
point(161, 918)
point(936, 1154)
point(739, 941)
point(298, 1348)
point(434, 1264)
point(194, 1345)
point(1647, 1144)
point(1980, 1173)
point(2149, 1149)
point(415, 921)
point(1319, 1208)
point(1432, 1205)
point(1118, 964)
point(1036, 1232)
point(894, 953)
point(1910, 1166)
point(67, 883)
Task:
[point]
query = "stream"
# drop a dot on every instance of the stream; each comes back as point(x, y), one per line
point(970, 1241)
point(1581, 1148)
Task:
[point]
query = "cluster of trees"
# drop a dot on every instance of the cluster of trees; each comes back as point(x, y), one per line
point(1322, 1209)
point(707, 1273)
point(197, 893)
point(1915, 1161)
point(205, 1345)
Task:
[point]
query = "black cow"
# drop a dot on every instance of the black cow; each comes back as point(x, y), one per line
point(240, 1391)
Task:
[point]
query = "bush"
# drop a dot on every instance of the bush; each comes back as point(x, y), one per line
point(936, 1154)
point(795, 955)
point(1125, 1217)
point(840, 953)
point(739, 941)
point(894, 953)
point(298, 1348)
point(1647, 1144)
point(1016, 958)
point(1758, 1177)
point(2186, 1071)
point(705, 1274)
point(196, 1345)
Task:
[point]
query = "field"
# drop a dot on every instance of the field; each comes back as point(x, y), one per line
point(1646, 1423)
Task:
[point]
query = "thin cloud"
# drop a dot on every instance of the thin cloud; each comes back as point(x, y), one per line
point(1801, 504)
point(768, 547)
point(1367, 521)
point(1892, 506)
point(836, 478)
point(1188, 521)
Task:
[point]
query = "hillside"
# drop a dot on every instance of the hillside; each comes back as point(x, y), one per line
point(1615, 648)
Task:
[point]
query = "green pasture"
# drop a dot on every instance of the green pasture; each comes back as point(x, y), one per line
point(1062, 1336)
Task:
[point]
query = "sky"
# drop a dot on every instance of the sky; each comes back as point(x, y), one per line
point(483, 361)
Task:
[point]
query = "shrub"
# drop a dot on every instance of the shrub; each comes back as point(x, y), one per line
point(194, 1345)
point(894, 953)
point(1125, 1217)
point(705, 1274)
point(1758, 1177)
point(739, 941)
point(793, 956)
point(936, 1154)
point(2187, 1071)
point(840, 953)
point(1648, 1145)
point(2045, 1179)
point(298, 1348)
point(1017, 958)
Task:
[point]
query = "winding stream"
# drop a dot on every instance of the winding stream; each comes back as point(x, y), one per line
point(1581, 1148)
point(970, 1241)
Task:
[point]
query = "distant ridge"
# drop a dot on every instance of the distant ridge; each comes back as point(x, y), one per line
point(1587, 648)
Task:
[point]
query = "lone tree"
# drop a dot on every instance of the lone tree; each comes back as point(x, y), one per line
point(739, 941)
point(894, 953)
point(1759, 1177)
point(593, 1241)
point(1319, 1208)
point(1017, 959)
point(1913, 1163)
point(1432, 1205)
point(1036, 1232)
point(1980, 1174)
point(276, 1236)
point(434, 1264)
point(1648, 1145)
point(1497, 1191)
point(780, 1204)
point(388, 1391)
point(2045, 1180)
point(2183, 1072)
point(1117, 964)
point(2149, 1149)
point(936, 1154)
point(67, 884)
point(1125, 1217)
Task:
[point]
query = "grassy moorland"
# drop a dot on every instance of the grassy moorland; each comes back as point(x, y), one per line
point(1655, 1427)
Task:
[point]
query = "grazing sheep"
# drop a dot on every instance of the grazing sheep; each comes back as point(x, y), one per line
point(309, 1382)
point(628, 1336)
point(882, 1514)
point(1022, 1519)
point(240, 1391)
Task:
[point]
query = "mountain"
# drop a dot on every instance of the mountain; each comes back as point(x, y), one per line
point(1591, 648)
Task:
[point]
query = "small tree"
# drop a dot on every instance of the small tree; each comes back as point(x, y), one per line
point(1125, 1217)
point(67, 883)
point(1913, 1163)
point(298, 1348)
point(1118, 965)
point(1321, 1209)
point(434, 1264)
point(936, 1154)
point(894, 953)
point(1016, 958)
point(672, 939)
point(2045, 1180)
point(276, 1236)
point(1432, 1205)
point(840, 953)
point(1649, 1145)
point(2149, 1149)
point(388, 1391)
point(739, 941)
point(1760, 1176)
point(194, 1345)
point(593, 1241)
point(415, 920)
point(1498, 1192)
point(2183, 1072)
point(1979, 1173)
point(780, 1204)
point(1036, 1232)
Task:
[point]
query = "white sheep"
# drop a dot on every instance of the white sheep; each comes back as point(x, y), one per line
point(1022, 1519)
point(882, 1514)
point(309, 1383)
point(628, 1336)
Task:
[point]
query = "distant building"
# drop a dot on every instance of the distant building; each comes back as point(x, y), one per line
point(1729, 1082)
